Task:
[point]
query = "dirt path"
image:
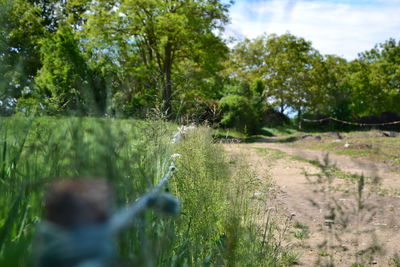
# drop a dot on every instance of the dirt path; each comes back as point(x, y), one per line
point(389, 180)
point(321, 218)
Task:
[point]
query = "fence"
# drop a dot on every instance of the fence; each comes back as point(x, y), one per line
point(93, 245)
point(352, 123)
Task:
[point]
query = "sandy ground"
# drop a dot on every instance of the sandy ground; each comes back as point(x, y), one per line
point(341, 229)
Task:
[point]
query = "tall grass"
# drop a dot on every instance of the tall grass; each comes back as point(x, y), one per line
point(130, 154)
point(215, 228)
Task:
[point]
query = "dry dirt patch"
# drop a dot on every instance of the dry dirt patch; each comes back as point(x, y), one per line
point(369, 235)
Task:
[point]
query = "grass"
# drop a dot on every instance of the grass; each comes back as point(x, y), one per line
point(273, 154)
point(301, 234)
point(395, 261)
point(369, 145)
point(363, 144)
point(278, 131)
point(265, 133)
point(265, 233)
point(35, 151)
point(323, 254)
point(228, 134)
point(300, 231)
point(217, 224)
point(333, 171)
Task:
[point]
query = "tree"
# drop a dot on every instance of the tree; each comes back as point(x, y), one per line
point(20, 32)
point(337, 91)
point(375, 80)
point(164, 34)
point(290, 62)
point(247, 59)
point(66, 82)
point(288, 66)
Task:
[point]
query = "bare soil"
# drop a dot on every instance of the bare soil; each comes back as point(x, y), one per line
point(332, 223)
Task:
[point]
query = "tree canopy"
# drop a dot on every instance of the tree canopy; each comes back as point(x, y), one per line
point(133, 57)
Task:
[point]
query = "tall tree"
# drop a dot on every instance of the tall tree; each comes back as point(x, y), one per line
point(20, 32)
point(337, 91)
point(288, 66)
point(375, 79)
point(290, 62)
point(164, 34)
point(66, 82)
point(248, 59)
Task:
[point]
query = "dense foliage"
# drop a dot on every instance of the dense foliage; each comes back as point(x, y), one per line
point(131, 57)
point(109, 57)
point(297, 78)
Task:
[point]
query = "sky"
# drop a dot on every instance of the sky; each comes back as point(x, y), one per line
point(340, 27)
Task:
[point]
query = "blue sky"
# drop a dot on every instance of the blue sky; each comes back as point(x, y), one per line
point(341, 27)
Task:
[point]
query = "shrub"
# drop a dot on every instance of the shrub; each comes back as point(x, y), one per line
point(239, 113)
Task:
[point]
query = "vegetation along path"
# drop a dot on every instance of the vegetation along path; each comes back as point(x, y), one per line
point(336, 216)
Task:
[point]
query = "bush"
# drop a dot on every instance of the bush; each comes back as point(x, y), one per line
point(239, 113)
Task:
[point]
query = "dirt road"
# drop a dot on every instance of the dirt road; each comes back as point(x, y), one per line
point(332, 222)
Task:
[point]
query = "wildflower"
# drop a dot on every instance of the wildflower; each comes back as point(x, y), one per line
point(175, 155)
point(182, 131)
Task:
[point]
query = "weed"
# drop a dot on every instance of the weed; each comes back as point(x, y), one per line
point(299, 225)
point(344, 218)
point(395, 261)
point(301, 234)
point(323, 254)
point(290, 258)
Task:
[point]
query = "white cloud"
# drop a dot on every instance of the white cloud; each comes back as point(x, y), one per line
point(344, 28)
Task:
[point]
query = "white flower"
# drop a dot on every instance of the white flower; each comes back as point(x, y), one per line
point(182, 131)
point(175, 155)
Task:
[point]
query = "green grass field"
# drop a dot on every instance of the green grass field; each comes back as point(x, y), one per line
point(216, 226)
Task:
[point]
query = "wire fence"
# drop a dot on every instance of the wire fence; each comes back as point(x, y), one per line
point(352, 123)
point(91, 245)
point(153, 199)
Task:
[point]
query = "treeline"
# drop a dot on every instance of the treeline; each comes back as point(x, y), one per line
point(295, 77)
point(110, 57)
point(131, 58)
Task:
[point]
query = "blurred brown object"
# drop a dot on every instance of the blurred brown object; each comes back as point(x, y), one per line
point(77, 202)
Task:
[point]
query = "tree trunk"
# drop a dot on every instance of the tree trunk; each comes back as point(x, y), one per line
point(299, 118)
point(167, 86)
